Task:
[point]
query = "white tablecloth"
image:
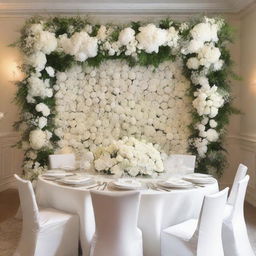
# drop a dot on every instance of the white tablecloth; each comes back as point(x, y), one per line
point(158, 210)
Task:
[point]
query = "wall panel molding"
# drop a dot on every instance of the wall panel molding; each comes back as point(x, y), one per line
point(123, 7)
point(246, 143)
point(10, 159)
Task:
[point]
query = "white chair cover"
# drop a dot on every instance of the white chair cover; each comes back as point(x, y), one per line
point(62, 161)
point(45, 232)
point(116, 217)
point(240, 174)
point(180, 164)
point(195, 237)
point(234, 232)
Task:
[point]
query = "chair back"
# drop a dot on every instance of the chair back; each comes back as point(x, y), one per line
point(240, 174)
point(238, 206)
point(30, 212)
point(184, 164)
point(62, 161)
point(210, 224)
point(116, 217)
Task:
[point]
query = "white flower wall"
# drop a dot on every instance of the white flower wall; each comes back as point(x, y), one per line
point(87, 84)
point(98, 105)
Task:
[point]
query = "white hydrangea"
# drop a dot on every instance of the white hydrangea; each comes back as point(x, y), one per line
point(37, 60)
point(44, 41)
point(37, 139)
point(172, 37)
point(201, 146)
point(102, 33)
point(38, 88)
point(44, 109)
point(80, 45)
point(208, 101)
point(150, 38)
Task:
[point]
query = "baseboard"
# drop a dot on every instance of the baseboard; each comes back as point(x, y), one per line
point(8, 184)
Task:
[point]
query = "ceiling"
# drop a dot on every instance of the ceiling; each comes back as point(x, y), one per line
point(124, 6)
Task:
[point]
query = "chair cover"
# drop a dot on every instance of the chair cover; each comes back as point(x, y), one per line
point(116, 217)
point(62, 161)
point(180, 164)
point(240, 174)
point(234, 231)
point(45, 232)
point(198, 237)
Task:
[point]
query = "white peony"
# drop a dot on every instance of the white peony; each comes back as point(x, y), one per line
point(150, 38)
point(126, 36)
point(208, 55)
point(44, 109)
point(37, 139)
point(80, 45)
point(204, 32)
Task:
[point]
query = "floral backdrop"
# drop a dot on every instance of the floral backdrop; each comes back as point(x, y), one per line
point(87, 84)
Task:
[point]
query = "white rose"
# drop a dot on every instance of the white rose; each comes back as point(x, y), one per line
point(42, 122)
point(37, 139)
point(193, 63)
point(50, 71)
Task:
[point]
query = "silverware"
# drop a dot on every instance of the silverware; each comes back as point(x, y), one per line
point(154, 187)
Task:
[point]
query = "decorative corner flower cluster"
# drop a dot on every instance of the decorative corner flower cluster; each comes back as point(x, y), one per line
point(52, 46)
point(128, 156)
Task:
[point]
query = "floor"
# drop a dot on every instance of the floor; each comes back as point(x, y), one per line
point(10, 228)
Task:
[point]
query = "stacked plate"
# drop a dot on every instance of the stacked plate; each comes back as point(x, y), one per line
point(174, 183)
point(77, 180)
point(126, 184)
point(56, 173)
point(199, 178)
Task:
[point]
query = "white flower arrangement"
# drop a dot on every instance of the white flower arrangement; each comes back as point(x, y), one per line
point(128, 156)
point(95, 106)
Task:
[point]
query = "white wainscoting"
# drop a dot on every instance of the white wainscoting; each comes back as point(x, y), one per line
point(10, 160)
point(242, 149)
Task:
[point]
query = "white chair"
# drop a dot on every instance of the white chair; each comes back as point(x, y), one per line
point(234, 232)
point(240, 174)
point(116, 216)
point(198, 237)
point(45, 232)
point(180, 164)
point(67, 161)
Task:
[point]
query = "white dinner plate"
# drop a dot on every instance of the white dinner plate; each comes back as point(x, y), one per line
point(57, 173)
point(175, 183)
point(200, 178)
point(128, 184)
point(198, 175)
point(76, 180)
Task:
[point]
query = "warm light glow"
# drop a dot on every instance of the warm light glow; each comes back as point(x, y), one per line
point(10, 70)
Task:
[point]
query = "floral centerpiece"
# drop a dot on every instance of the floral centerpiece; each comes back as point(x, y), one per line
point(130, 156)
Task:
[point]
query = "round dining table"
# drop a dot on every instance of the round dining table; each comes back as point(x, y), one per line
point(158, 209)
